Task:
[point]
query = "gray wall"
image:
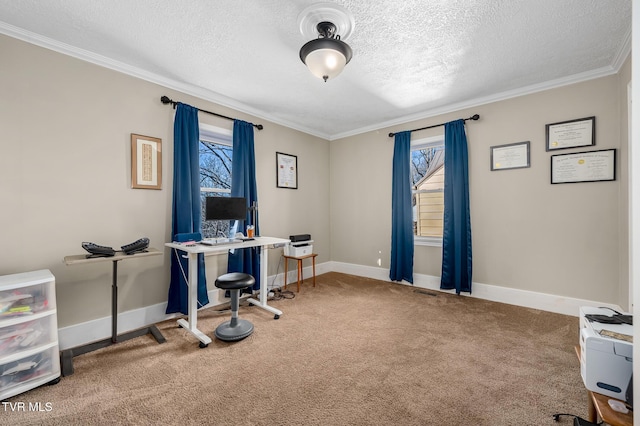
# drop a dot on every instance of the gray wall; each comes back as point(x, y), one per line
point(65, 177)
point(566, 240)
point(65, 130)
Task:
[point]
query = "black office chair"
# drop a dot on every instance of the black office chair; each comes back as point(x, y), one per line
point(234, 329)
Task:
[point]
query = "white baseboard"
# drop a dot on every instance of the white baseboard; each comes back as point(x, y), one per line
point(525, 298)
point(98, 329)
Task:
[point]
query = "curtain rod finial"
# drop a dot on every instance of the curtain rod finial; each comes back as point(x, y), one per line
point(259, 126)
point(475, 117)
point(165, 100)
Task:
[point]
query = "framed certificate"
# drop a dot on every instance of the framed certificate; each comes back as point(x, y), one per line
point(592, 166)
point(510, 156)
point(286, 171)
point(146, 162)
point(571, 134)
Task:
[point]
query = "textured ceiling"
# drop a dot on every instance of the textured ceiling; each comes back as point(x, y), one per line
point(412, 58)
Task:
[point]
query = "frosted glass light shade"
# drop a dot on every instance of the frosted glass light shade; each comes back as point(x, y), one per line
point(325, 57)
point(325, 63)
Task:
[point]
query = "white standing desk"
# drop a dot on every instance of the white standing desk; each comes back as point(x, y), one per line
point(192, 252)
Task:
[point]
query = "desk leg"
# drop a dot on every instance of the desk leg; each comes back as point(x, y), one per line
point(192, 325)
point(114, 303)
point(264, 287)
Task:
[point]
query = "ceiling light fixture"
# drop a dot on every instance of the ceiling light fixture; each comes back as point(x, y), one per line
point(327, 55)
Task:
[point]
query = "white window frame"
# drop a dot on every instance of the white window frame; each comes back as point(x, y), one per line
point(430, 142)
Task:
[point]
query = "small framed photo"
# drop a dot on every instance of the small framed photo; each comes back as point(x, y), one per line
point(571, 134)
point(591, 166)
point(510, 156)
point(286, 170)
point(146, 162)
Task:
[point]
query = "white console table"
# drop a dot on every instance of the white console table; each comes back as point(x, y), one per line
point(192, 252)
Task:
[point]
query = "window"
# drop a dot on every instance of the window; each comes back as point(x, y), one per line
point(427, 181)
point(216, 149)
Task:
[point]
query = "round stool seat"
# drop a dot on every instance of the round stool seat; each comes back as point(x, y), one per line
point(235, 281)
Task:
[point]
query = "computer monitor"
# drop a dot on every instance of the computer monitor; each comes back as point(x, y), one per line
point(225, 208)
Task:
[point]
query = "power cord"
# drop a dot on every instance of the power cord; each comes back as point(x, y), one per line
point(273, 281)
point(611, 309)
point(577, 421)
point(278, 293)
point(184, 274)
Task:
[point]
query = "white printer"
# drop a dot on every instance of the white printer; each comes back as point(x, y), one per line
point(606, 358)
point(300, 245)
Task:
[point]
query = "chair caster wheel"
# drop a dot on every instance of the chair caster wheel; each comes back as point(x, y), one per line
point(276, 316)
point(203, 345)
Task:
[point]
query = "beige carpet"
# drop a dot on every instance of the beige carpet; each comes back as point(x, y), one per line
point(352, 351)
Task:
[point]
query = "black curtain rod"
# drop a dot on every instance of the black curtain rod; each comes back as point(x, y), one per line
point(165, 100)
point(474, 117)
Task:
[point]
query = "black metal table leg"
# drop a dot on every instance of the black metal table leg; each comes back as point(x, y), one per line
point(67, 355)
point(114, 303)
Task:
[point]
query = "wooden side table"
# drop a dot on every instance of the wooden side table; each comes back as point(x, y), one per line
point(299, 259)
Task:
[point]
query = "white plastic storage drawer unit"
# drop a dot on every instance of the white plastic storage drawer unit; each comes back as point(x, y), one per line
point(29, 353)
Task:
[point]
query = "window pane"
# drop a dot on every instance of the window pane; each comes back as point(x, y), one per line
point(215, 181)
point(425, 161)
point(215, 165)
point(427, 179)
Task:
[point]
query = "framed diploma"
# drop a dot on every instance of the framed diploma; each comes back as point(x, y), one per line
point(286, 171)
point(510, 156)
point(571, 134)
point(146, 162)
point(592, 166)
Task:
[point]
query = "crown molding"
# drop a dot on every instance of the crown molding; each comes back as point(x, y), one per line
point(522, 91)
point(623, 53)
point(208, 95)
point(189, 89)
point(617, 63)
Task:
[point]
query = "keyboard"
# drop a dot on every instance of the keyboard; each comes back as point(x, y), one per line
point(137, 246)
point(96, 250)
point(220, 241)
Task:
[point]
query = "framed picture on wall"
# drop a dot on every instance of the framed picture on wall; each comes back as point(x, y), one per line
point(510, 156)
point(286, 170)
point(571, 134)
point(146, 162)
point(591, 166)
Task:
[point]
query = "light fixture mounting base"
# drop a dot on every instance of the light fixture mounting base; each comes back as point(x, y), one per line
point(310, 18)
point(326, 29)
